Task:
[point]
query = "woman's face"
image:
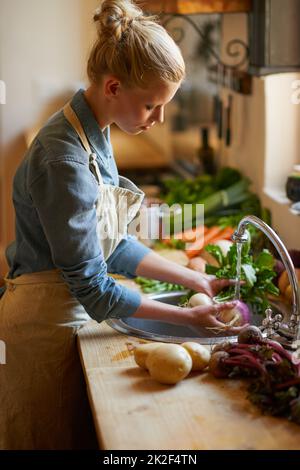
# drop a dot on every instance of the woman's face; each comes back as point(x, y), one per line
point(136, 109)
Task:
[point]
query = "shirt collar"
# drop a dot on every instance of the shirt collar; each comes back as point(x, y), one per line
point(98, 139)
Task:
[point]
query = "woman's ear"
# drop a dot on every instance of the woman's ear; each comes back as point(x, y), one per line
point(111, 87)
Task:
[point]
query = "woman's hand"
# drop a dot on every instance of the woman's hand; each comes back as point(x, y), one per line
point(155, 266)
point(211, 285)
point(207, 316)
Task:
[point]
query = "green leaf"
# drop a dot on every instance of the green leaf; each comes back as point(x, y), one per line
point(265, 260)
point(272, 289)
point(249, 272)
point(232, 255)
point(224, 296)
point(209, 269)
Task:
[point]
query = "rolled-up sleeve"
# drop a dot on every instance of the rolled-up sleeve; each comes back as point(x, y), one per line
point(64, 196)
point(127, 256)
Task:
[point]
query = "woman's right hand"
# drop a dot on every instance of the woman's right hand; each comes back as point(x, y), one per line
point(201, 316)
point(207, 316)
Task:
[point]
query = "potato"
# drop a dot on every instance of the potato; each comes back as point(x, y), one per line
point(200, 354)
point(283, 282)
point(141, 353)
point(288, 293)
point(169, 363)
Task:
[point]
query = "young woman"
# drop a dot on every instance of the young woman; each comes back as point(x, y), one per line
point(66, 194)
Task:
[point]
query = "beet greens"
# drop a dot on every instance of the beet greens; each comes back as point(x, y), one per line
point(275, 386)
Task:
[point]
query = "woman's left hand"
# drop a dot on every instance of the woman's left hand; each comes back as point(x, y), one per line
point(210, 285)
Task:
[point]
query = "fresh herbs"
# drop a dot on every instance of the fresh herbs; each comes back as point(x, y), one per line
point(256, 272)
point(150, 286)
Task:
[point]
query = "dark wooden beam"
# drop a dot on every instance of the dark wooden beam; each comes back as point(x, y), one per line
point(195, 6)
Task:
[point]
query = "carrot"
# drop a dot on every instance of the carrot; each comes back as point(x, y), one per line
point(191, 235)
point(195, 248)
point(225, 234)
point(187, 236)
point(228, 232)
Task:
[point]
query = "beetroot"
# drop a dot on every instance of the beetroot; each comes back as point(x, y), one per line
point(217, 364)
point(250, 335)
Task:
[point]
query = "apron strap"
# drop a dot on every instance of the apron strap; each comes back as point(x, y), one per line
point(73, 119)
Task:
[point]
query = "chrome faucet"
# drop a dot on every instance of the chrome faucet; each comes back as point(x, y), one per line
point(293, 326)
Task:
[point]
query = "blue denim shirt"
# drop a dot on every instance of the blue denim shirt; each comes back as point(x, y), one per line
point(54, 194)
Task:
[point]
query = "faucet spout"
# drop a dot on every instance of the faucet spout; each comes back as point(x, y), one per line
point(239, 235)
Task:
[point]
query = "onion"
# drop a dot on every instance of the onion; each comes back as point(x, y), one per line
point(239, 315)
point(200, 299)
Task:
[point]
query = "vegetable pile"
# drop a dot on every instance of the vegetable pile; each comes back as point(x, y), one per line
point(196, 239)
point(170, 363)
point(220, 259)
point(275, 387)
point(226, 198)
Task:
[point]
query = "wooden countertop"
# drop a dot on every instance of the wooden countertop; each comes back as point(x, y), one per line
point(132, 411)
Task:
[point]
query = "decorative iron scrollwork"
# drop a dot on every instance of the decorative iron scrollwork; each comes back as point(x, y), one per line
point(179, 34)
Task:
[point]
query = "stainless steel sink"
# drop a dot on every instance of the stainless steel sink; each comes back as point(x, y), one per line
point(166, 332)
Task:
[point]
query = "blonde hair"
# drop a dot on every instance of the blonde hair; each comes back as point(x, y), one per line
point(133, 47)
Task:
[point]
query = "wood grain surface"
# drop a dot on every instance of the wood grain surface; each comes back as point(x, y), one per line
point(132, 411)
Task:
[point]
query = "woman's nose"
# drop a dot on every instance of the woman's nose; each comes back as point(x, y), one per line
point(158, 116)
point(161, 115)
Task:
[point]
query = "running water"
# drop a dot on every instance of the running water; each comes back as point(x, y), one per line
point(237, 293)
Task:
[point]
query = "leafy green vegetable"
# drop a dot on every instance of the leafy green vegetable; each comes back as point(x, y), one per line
point(226, 200)
point(153, 286)
point(249, 272)
point(172, 243)
point(257, 272)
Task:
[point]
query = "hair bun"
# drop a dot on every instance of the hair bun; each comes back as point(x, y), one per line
point(133, 47)
point(115, 17)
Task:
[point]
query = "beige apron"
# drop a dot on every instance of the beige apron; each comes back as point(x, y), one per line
point(117, 205)
point(43, 402)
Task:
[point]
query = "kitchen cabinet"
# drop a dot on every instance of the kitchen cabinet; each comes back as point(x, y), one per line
point(274, 37)
point(189, 7)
